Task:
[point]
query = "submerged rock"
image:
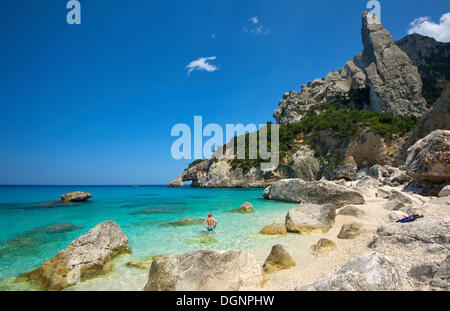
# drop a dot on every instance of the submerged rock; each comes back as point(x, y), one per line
point(88, 256)
point(18, 244)
point(204, 270)
point(203, 240)
point(278, 259)
point(139, 265)
point(56, 228)
point(310, 218)
point(368, 272)
point(185, 222)
point(316, 192)
point(246, 208)
point(274, 229)
point(77, 196)
point(323, 246)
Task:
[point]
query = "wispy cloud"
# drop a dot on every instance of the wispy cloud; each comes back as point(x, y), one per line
point(254, 26)
point(201, 64)
point(426, 27)
point(254, 20)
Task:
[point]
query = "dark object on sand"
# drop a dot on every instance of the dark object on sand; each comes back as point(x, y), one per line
point(409, 219)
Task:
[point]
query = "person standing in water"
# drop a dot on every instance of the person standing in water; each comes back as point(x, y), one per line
point(210, 223)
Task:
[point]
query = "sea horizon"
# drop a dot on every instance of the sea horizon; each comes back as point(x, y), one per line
point(35, 225)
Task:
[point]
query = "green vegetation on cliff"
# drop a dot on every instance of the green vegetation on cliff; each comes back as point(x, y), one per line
point(335, 119)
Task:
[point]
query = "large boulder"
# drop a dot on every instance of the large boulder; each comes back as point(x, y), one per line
point(246, 208)
point(315, 192)
point(204, 270)
point(425, 231)
point(86, 257)
point(445, 192)
point(369, 272)
point(304, 165)
point(278, 259)
point(77, 196)
point(350, 231)
point(429, 158)
point(310, 218)
point(347, 170)
point(274, 229)
point(323, 246)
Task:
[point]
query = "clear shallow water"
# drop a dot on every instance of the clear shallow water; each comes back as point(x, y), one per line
point(26, 241)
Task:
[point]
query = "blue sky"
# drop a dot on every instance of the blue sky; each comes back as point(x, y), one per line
point(95, 103)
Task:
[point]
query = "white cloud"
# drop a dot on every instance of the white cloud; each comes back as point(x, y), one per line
point(255, 26)
point(254, 20)
point(426, 27)
point(201, 64)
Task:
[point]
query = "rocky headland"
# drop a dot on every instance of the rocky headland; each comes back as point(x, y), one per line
point(362, 148)
point(385, 99)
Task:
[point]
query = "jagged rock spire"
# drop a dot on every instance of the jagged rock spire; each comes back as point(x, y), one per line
point(396, 86)
point(394, 83)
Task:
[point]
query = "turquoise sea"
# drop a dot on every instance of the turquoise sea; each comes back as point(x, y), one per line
point(28, 214)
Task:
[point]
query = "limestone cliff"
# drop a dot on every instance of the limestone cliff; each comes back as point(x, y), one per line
point(381, 78)
point(354, 118)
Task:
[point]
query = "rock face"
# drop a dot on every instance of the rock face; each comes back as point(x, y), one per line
point(274, 229)
point(349, 231)
point(88, 256)
point(304, 165)
point(323, 246)
point(317, 192)
point(429, 158)
point(438, 118)
point(310, 218)
point(278, 259)
point(205, 271)
point(395, 84)
point(431, 58)
point(176, 183)
point(369, 272)
point(77, 196)
point(435, 274)
point(381, 78)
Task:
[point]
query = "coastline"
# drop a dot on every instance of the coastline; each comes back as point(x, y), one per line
point(308, 267)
